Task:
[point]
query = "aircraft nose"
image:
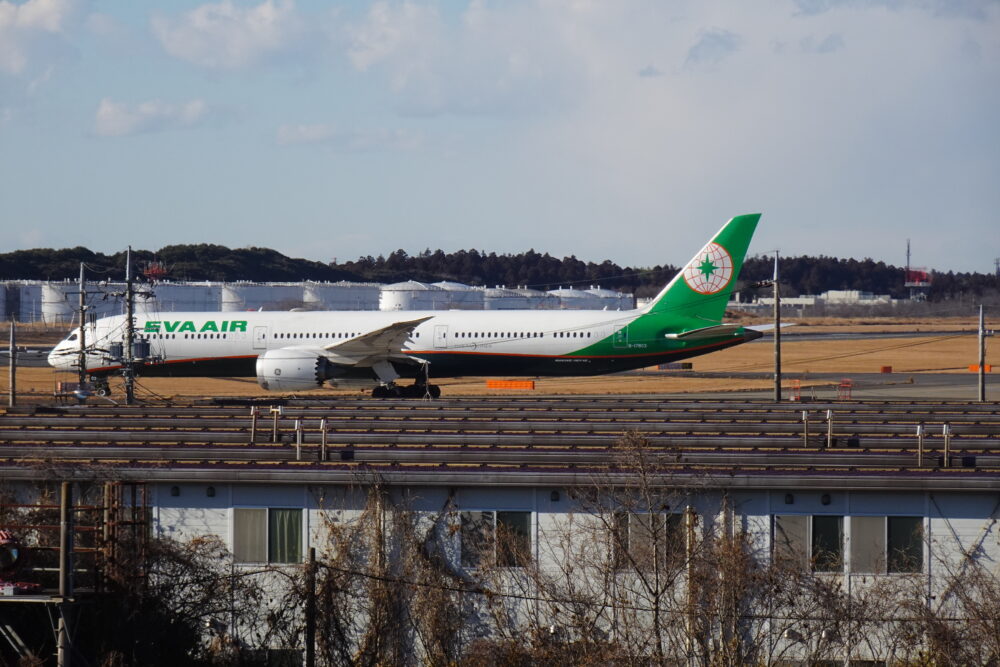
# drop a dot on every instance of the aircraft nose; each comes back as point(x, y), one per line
point(56, 358)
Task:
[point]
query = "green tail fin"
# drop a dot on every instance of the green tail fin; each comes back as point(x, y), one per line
point(701, 290)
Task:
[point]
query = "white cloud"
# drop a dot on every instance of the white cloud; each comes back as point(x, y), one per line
point(975, 9)
point(347, 140)
point(304, 134)
point(117, 120)
point(828, 44)
point(225, 36)
point(713, 46)
point(31, 31)
point(486, 59)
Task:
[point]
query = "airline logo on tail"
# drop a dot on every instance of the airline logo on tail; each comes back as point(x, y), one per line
point(710, 270)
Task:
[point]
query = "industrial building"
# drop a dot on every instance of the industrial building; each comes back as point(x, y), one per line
point(842, 544)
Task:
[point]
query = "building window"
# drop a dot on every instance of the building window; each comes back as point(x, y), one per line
point(905, 551)
point(827, 543)
point(640, 539)
point(816, 542)
point(892, 544)
point(267, 535)
point(500, 538)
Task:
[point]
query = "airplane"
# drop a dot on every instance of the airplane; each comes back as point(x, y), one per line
point(295, 351)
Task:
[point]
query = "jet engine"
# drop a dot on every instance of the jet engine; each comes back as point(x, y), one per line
point(293, 369)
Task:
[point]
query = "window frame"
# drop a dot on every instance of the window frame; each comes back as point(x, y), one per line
point(269, 558)
point(886, 558)
point(672, 523)
point(807, 560)
point(489, 554)
point(890, 560)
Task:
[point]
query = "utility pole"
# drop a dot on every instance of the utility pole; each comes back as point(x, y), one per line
point(982, 356)
point(311, 609)
point(777, 332)
point(64, 634)
point(128, 367)
point(83, 333)
point(12, 398)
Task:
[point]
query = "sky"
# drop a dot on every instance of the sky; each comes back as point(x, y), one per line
point(622, 130)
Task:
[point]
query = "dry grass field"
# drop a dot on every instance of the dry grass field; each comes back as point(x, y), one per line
point(951, 351)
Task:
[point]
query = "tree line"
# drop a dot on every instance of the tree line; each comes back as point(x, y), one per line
point(799, 275)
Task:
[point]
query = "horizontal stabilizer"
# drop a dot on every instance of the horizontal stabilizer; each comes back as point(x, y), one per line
point(770, 327)
point(706, 332)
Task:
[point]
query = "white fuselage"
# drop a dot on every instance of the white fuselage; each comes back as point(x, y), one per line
point(233, 340)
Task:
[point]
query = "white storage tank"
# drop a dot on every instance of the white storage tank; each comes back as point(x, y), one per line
point(187, 297)
point(29, 301)
point(412, 295)
point(462, 296)
point(537, 299)
point(574, 299)
point(57, 306)
point(267, 296)
point(611, 299)
point(501, 298)
point(341, 296)
point(61, 301)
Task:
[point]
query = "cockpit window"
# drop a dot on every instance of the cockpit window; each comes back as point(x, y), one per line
point(72, 337)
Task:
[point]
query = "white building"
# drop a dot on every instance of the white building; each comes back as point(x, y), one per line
point(533, 535)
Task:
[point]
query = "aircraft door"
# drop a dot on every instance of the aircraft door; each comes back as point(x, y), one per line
point(621, 337)
point(440, 336)
point(260, 338)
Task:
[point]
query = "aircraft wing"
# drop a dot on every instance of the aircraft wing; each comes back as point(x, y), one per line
point(382, 343)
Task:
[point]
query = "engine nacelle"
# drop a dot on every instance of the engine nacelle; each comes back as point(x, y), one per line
point(292, 369)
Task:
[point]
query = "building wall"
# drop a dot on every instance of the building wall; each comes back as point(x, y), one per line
point(953, 523)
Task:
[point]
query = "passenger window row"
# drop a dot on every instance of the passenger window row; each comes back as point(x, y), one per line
point(535, 334)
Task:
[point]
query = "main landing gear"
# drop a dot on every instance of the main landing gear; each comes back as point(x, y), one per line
point(101, 386)
point(416, 390)
point(421, 387)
